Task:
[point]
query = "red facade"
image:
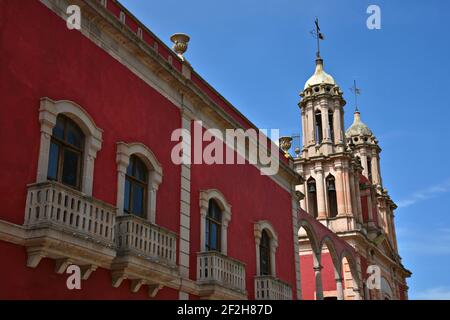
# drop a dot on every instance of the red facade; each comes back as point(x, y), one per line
point(40, 57)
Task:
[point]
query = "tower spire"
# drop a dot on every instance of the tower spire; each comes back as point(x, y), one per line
point(318, 36)
point(356, 91)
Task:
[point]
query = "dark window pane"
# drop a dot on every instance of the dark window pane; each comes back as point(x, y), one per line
point(332, 200)
point(264, 254)
point(312, 198)
point(207, 235)
point(265, 240)
point(126, 205)
point(319, 133)
point(214, 210)
point(74, 136)
point(214, 242)
point(140, 171)
point(53, 161)
point(58, 130)
point(130, 167)
point(138, 199)
point(70, 167)
point(213, 223)
point(264, 266)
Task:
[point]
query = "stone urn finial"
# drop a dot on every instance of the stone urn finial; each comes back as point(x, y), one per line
point(285, 145)
point(180, 44)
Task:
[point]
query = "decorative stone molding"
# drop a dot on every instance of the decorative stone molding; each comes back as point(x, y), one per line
point(205, 196)
point(48, 112)
point(124, 152)
point(258, 228)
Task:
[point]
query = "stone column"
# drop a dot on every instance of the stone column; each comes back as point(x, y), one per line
point(358, 195)
point(44, 151)
point(394, 235)
point(325, 125)
point(340, 190)
point(302, 188)
point(321, 209)
point(375, 172)
point(353, 194)
point(304, 125)
point(338, 138)
point(273, 250)
point(257, 242)
point(339, 289)
point(370, 207)
point(347, 191)
point(185, 204)
point(152, 202)
point(388, 221)
point(121, 171)
point(363, 156)
point(311, 124)
point(318, 278)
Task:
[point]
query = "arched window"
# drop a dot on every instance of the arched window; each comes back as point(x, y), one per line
point(136, 185)
point(319, 133)
point(332, 199)
point(213, 226)
point(266, 240)
point(66, 153)
point(330, 125)
point(215, 216)
point(70, 141)
point(312, 197)
point(264, 254)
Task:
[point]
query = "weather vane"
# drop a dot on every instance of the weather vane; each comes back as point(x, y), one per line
point(317, 35)
point(356, 91)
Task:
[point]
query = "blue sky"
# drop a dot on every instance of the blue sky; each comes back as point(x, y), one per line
point(259, 53)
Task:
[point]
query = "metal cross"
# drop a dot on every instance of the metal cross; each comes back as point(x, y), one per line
point(356, 91)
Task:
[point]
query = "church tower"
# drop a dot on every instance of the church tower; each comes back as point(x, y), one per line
point(331, 175)
point(343, 188)
point(365, 146)
point(322, 114)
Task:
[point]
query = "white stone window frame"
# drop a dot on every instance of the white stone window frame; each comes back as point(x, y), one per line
point(259, 227)
point(155, 175)
point(205, 196)
point(48, 113)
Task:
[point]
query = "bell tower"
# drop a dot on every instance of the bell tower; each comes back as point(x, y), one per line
point(322, 115)
point(342, 184)
point(331, 186)
point(365, 146)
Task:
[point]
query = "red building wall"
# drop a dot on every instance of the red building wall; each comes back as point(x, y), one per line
point(40, 57)
point(253, 198)
point(308, 276)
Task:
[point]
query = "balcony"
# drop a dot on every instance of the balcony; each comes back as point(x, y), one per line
point(68, 226)
point(146, 254)
point(271, 288)
point(220, 277)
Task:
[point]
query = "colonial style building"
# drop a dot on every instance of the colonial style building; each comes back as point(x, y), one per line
point(89, 186)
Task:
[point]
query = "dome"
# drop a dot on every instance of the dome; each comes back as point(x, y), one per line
point(319, 76)
point(358, 128)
